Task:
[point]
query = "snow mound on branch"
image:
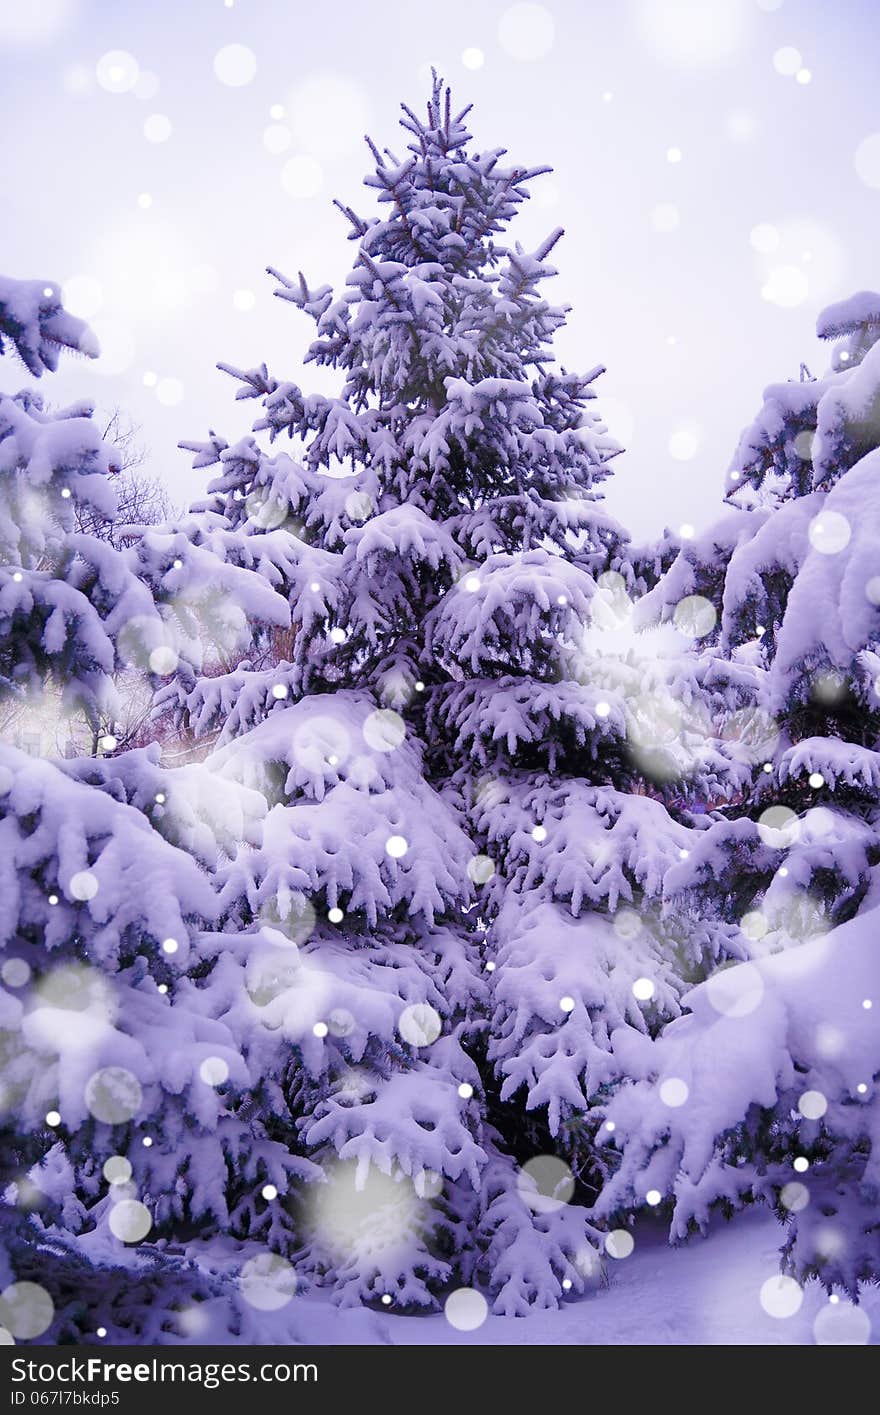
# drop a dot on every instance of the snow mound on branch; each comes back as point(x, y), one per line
point(38, 326)
point(829, 617)
point(846, 316)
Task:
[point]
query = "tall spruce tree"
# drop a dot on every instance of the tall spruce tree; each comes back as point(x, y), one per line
point(458, 895)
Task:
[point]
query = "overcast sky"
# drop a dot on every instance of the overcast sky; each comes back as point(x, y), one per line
point(717, 171)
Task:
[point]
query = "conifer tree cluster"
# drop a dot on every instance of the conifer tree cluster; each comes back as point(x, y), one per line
point(516, 881)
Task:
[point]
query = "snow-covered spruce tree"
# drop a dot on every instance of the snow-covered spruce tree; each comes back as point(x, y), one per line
point(458, 894)
point(778, 1062)
point(113, 1129)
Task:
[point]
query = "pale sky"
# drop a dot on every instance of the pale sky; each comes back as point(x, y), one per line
point(717, 171)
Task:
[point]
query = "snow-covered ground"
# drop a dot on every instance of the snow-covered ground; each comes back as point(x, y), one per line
point(706, 1292)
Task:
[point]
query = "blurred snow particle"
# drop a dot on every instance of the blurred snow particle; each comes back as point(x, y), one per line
point(673, 154)
point(144, 201)
point(276, 138)
point(480, 868)
point(828, 688)
point(794, 1197)
point(653, 1197)
point(169, 391)
point(267, 1282)
point(276, 112)
point(26, 1310)
point(735, 991)
point(754, 925)
point(301, 177)
point(465, 1309)
point(692, 33)
point(243, 300)
point(526, 32)
point(384, 730)
point(465, 1090)
point(781, 1296)
point(566, 1004)
point(396, 846)
point(83, 885)
point(665, 217)
point(842, 1324)
point(214, 1071)
point(684, 443)
point(545, 1184)
point(867, 160)
point(113, 1095)
point(15, 972)
point(419, 1024)
point(539, 833)
point(778, 827)
point(673, 1092)
point(803, 76)
point(53, 1118)
point(473, 58)
point(163, 660)
point(643, 989)
point(235, 65)
point(627, 924)
point(764, 238)
point(320, 1029)
point(157, 128)
point(787, 61)
point(130, 1221)
point(829, 532)
point(812, 1105)
point(341, 1022)
point(816, 780)
point(335, 916)
point(328, 115)
point(117, 1170)
point(786, 286)
point(695, 616)
point(117, 71)
point(619, 1243)
point(269, 1192)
